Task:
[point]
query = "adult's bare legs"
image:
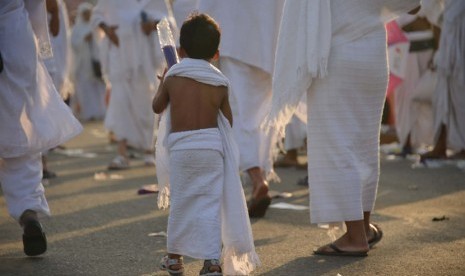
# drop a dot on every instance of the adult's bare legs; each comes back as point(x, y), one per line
point(260, 201)
point(260, 185)
point(440, 148)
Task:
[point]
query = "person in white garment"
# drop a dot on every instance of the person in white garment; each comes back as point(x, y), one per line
point(335, 50)
point(182, 9)
point(59, 66)
point(131, 59)
point(89, 88)
point(296, 134)
point(208, 215)
point(413, 97)
point(449, 96)
point(33, 117)
point(250, 30)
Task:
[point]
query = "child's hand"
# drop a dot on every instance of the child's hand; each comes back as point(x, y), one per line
point(162, 77)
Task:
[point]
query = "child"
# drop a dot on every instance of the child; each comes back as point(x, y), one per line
point(208, 209)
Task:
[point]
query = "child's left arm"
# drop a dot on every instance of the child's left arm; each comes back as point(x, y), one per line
point(161, 99)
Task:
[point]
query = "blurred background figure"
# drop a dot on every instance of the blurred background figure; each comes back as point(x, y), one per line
point(247, 50)
point(413, 97)
point(89, 88)
point(182, 9)
point(60, 64)
point(33, 117)
point(131, 59)
point(295, 139)
point(59, 67)
point(449, 96)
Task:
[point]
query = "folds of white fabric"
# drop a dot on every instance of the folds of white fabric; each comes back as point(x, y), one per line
point(239, 253)
point(33, 117)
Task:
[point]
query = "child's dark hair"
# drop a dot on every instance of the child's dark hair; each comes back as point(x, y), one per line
point(200, 36)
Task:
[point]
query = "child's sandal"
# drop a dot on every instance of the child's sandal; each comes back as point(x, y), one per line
point(167, 264)
point(208, 269)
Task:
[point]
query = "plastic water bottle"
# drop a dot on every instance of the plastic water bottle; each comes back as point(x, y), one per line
point(167, 42)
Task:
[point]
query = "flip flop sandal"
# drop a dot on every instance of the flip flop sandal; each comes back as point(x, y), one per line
point(34, 239)
point(166, 263)
point(339, 252)
point(258, 207)
point(118, 163)
point(378, 235)
point(207, 265)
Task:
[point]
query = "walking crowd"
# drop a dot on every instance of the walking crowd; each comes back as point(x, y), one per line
point(255, 83)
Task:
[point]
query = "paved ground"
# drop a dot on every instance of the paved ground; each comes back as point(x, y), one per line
point(101, 226)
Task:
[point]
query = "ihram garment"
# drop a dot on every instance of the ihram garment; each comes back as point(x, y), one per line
point(449, 98)
point(59, 66)
point(131, 68)
point(337, 55)
point(33, 117)
point(249, 33)
point(201, 169)
point(89, 88)
point(414, 112)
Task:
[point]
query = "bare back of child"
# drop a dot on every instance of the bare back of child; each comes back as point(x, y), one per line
point(195, 105)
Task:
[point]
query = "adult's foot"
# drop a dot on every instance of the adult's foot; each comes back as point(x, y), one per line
point(285, 163)
point(34, 239)
point(211, 268)
point(433, 155)
point(48, 174)
point(374, 235)
point(458, 155)
point(119, 163)
point(344, 247)
point(260, 200)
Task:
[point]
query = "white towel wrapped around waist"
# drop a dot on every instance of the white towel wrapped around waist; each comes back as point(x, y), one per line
point(208, 138)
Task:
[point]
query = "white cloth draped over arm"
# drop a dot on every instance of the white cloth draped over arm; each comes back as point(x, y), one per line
point(38, 17)
point(302, 53)
point(305, 39)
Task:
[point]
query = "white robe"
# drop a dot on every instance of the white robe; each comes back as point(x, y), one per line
point(239, 253)
point(33, 116)
point(89, 90)
point(344, 106)
point(131, 68)
point(59, 67)
point(182, 9)
point(414, 112)
point(296, 134)
point(247, 51)
point(449, 98)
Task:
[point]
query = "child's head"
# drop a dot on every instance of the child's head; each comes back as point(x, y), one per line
point(200, 36)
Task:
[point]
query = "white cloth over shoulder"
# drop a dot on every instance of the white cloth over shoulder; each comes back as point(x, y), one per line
point(239, 253)
point(302, 54)
point(305, 39)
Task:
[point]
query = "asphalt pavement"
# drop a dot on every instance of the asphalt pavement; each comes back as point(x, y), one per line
point(101, 225)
